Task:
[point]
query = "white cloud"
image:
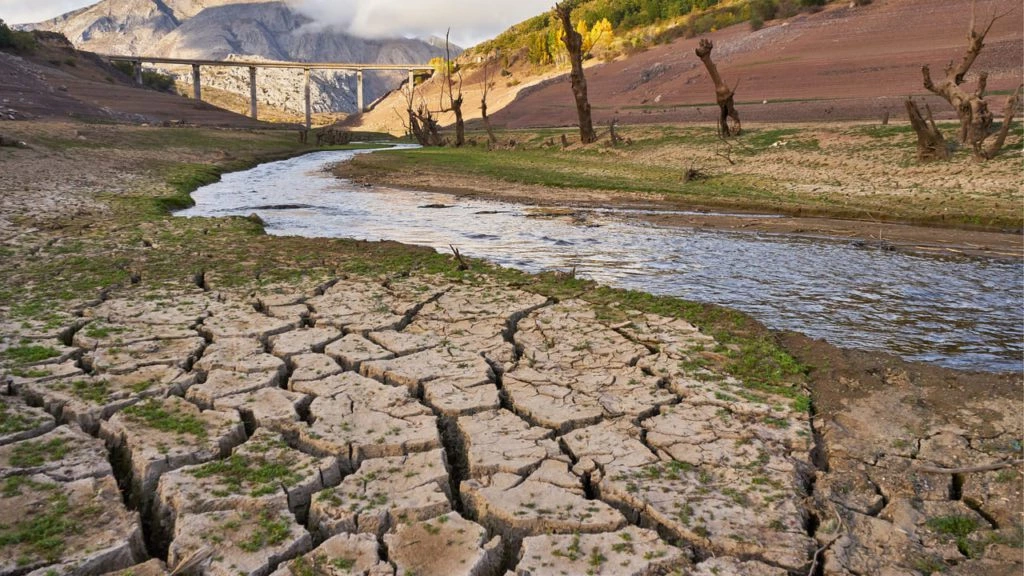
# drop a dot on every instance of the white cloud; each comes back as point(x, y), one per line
point(25, 12)
point(471, 21)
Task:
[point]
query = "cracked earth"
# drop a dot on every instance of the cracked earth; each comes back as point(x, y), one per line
point(420, 426)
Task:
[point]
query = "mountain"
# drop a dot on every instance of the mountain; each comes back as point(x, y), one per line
point(218, 29)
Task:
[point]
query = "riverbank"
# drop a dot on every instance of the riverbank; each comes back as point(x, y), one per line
point(849, 181)
point(123, 322)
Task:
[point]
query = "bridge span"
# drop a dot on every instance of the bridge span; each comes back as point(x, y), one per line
point(252, 65)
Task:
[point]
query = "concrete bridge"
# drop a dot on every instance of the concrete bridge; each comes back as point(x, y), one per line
point(252, 65)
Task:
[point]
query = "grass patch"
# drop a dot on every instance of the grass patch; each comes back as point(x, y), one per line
point(269, 531)
point(36, 453)
point(11, 423)
point(153, 414)
point(239, 473)
point(30, 354)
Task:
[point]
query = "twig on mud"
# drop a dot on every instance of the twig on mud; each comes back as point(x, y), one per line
point(824, 547)
point(193, 563)
point(969, 469)
point(462, 263)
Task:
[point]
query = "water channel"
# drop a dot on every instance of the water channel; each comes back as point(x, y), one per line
point(956, 312)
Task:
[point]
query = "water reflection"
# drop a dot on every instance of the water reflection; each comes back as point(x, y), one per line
point(956, 312)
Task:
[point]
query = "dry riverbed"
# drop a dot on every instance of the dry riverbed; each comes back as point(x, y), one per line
point(252, 405)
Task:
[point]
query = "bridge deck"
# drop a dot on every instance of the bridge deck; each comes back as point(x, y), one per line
point(269, 63)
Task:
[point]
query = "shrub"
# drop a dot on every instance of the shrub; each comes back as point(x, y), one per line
point(23, 42)
point(762, 10)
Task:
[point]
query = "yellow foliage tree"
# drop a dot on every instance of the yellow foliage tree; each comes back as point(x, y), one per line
point(601, 32)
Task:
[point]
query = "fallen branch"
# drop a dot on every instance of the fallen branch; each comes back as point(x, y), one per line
point(462, 263)
point(970, 469)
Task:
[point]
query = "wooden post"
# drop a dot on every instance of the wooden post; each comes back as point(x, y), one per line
point(137, 65)
point(197, 91)
point(359, 91)
point(309, 105)
point(252, 92)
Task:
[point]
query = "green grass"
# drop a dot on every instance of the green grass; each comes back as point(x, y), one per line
point(153, 414)
point(239, 473)
point(36, 453)
point(42, 535)
point(270, 530)
point(958, 527)
point(11, 423)
point(30, 354)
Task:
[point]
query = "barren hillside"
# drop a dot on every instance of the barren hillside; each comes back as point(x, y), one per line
point(841, 63)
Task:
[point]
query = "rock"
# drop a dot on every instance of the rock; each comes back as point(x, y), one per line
point(382, 494)
point(102, 333)
point(273, 408)
point(64, 454)
point(631, 551)
point(263, 473)
point(499, 441)
point(176, 352)
point(734, 567)
point(154, 567)
point(353, 307)
point(222, 383)
point(454, 383)
point(340, 555)
point(157, 436)
point(19, 421)
point(404, 343)
point(447, 545)
point(609, 443)
point(238, 355)
point(352, 350)
point(335, 384)
point(87, 529)
point(243, 542)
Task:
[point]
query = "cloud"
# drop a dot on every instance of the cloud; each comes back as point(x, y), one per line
point(470, 21)
point(23, 12)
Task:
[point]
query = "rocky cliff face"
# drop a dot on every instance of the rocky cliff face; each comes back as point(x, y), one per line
point(217, 29)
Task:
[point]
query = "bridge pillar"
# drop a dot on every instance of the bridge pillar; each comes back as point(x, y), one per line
point(309, 105)
point(412, 82)
point(359, 91)
point(197, 91)
point(252, 92)
point(137, 67)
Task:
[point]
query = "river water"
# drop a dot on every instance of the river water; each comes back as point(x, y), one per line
point(961, 313)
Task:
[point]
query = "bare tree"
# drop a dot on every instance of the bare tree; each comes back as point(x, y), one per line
point(930, 143)
point(971, 107)
point(454, 102)
point(574, 45)
point(483, 103)
point(723, 94)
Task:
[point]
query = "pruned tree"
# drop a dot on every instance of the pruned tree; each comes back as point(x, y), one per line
point(574, 45)
point(971, 108)
point(483, 103)
point(454, 102)
point(930, 143)
point(723, 94)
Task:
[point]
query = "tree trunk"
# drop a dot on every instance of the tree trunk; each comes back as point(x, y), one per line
point(930, 143)
point(574, 44)
point(460, 126)
point(723, 94)
point(971, 107)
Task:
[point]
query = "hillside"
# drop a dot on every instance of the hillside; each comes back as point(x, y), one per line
point(841, 63)
point(216, 29)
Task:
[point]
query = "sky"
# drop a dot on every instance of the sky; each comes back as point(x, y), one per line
point(471, 21)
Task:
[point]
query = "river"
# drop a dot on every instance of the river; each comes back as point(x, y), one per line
point(956, 312)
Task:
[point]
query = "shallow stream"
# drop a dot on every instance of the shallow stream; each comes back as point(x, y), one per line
point(961, 313)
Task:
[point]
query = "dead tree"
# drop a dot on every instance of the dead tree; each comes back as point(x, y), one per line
point(454, 102)
point(574, 45)
point(483, 104)
point(723, 94)
point(930, 143)
point(971, 107)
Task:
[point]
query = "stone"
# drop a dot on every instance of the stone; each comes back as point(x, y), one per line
point(448, 545)
point(88, 530)
point(63, 454)
point(383, 493)
point(157, 436)
point(499, 441)
point(352, 350)
point(630, 551)
point(243, 542)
